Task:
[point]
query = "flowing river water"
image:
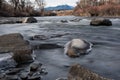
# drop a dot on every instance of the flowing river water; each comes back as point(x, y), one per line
point(104, 58)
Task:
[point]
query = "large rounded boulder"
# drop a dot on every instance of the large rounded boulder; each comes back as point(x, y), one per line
point(29, 20)
point(77, 47)
point(16, 44)
point(101, 22)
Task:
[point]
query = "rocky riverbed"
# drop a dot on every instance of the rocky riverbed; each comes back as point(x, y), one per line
point(48, 36)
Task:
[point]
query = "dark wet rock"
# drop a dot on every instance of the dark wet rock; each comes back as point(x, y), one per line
point(6, 61)
point(39, 37)
point(47, 46)
point(75, 20)
point(10, 21)
point(32, 72)
point(44, 37)
point(15, 43)
point(64, 21)
point(23, 55)
point(35, 66)
point(24, 75)
point(37, 70)
point(36, 77)
point(43, 71)
point(13, 71)
point(2, 76)
point(19, 21)
point(78, 72)
point(29, 20)
point(11, 77)
point(77, 47)
point(101, 22)
point(58, 35)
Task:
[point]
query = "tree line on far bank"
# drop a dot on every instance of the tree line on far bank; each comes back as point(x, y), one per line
point(97, 8)
point(23, 8)
point(18, 8)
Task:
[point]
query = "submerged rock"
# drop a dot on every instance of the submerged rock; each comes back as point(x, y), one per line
point(29, 20)
point(77, 47)
point(35, 66)
point(64, 21)
point(101, 22)
point(10, 22)
point(75, 20)
point(39, 37)
point(34, 71)
point(2, 76)
point(7, 63)
point(45, 37)
point(47, 46)
point(11, 77)
point(13, 71)
point(36, 77)
point(24, 76)
point(79, 73)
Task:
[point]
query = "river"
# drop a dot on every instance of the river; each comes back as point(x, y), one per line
point(104, 58)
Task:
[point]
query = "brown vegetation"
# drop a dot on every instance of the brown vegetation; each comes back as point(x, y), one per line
point(95, 8)
point(18, 8)
point(64, 12)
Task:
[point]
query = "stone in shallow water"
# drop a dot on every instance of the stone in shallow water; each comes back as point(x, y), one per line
point(64, 21)
point(35, 66)
point(11, 77)
point(24, 75)
point(36, 77)
point(2, 76)
point(47, 46)
point(29, 20)
point(39, 37)
point(77, 47)
point(23, 55)
point(15, 43)
point(78, 72)
point(7, 63)
point(13, 71)
point(43, 71)
point(101, 22)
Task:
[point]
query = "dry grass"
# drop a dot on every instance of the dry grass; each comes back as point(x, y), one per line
point(102, 10)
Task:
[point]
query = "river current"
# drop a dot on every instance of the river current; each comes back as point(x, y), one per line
point(104, 58)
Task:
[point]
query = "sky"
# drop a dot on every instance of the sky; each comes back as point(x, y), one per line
point(60, 2)
point(51, 3)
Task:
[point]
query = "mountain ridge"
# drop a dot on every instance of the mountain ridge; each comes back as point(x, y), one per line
point(59, 7)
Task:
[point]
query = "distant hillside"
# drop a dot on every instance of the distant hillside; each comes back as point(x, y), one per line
point(60, 7)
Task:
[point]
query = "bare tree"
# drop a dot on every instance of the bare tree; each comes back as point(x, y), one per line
point(41, 4)
point(22, 4)
point(15, 4)
point(1, 3)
